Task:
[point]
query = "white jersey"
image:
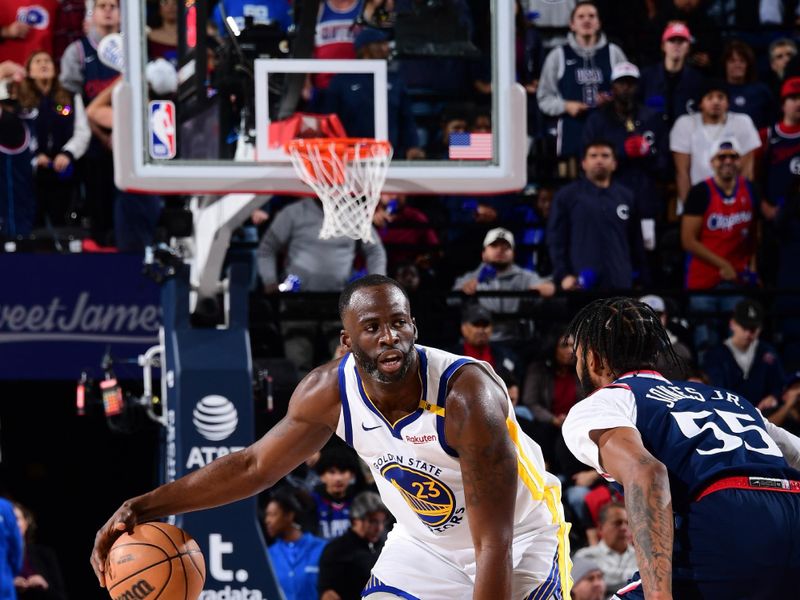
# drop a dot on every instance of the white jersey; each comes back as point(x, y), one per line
point(419, 475)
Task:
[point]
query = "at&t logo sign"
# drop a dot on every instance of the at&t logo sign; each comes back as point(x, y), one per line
point(214, 418)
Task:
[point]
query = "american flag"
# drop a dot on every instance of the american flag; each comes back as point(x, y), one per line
point(470, 146)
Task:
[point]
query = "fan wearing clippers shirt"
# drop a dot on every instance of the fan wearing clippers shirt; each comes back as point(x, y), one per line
point(712, 488)
point(477, 515)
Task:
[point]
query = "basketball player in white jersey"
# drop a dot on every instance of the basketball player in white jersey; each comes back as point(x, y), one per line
point(477, 514)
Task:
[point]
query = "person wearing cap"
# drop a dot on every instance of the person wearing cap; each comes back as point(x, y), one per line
point(347, 561)
point(718, 231)
point(745, 364)
point(576, 77)
point(351, 97)
point(747, 94)
point(593, 233)
point(640, 143)
point(476, 334)
point(692, 137)
point(498, 273)
point(588, 580)
point(782, 147)
point(671, 86)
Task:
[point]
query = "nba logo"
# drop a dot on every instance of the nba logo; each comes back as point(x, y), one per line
point(162, 129)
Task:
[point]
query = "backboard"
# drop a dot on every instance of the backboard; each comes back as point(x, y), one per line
point(445, 96)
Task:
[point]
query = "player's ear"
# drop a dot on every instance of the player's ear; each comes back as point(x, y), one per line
point(344, 339)
point(416, 331)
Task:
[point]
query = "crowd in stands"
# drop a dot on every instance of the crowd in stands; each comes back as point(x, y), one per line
point(664, 164)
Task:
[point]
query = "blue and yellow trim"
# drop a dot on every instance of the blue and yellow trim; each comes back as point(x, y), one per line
point(551, 496)
point(375, 585)
point(397, 427)
point(348, 422)
point(441, 401)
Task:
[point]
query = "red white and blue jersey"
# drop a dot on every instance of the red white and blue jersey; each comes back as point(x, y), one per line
point(700, 433)
point(781, 161)
point(335, 36)
point(728, 231)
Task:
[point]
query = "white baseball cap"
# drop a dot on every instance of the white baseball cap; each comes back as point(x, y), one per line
point(725, 145)
point(498, 234)
point(655, 302)
point(624, 69)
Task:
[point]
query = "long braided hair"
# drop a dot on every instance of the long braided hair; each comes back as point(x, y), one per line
point(625, 333)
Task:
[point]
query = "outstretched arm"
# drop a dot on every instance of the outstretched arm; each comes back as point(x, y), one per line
point(648, 501)
point(475, 427)
point(312, 417)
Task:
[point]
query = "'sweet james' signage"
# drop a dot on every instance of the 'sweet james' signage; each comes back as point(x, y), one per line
point(59, 313)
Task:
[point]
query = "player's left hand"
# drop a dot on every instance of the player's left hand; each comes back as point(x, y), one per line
point(121, 521)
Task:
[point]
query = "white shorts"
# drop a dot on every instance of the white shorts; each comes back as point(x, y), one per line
point(412, 570)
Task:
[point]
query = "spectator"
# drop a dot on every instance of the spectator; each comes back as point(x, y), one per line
point(787, 414)
point(718, 231)
point(539, 201)
point(693, 136)
point(82, 72)
point(743, 363)
point(162, 36)
point(671, 86)
point(335, 34)
point(406, 233)
point(497, 272)
point(334, 495)
point(587, 578)
point(26, 26)
point(351, 95)
point(476, 333)
point(781, 51)
point(640, 145)
point(550, 388)
point(40, 578)
point(594, 234)
point(706, 32)
point(667, 369)
point(576, 77)
point(69, 24)
point(347, 561)
point(60, 137)
point(17, 199)
point(294, 554)
point(135, 215)
point(746, 94)
point(11, 550)
point(614, 554)
point(263, 12)
point(320, 265)
point(781, 143)
point(454, 119)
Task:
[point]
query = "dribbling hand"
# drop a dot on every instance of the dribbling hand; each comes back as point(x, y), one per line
point(121, 521)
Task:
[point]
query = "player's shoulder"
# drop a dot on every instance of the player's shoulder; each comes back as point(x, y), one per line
point(317, 395)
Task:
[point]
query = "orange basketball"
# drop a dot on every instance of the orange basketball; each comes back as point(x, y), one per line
point(157, 560)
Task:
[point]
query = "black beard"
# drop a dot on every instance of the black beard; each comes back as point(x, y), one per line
point(500, 266)
point(370, 366)
point(586, 381)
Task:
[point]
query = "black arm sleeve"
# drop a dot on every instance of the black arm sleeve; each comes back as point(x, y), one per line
point(697, 200)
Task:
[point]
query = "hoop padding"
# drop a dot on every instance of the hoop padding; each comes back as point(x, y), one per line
point(347, 174)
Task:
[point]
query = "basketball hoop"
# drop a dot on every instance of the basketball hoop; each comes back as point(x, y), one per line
point(347, 174)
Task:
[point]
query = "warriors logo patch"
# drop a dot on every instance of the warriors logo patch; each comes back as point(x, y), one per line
point(428, 497)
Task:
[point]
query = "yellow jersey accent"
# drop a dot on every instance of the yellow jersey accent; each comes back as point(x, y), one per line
point(437, 410)
point(552, 498)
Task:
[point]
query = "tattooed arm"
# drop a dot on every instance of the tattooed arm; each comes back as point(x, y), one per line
point(648, 501)
point(475, 426)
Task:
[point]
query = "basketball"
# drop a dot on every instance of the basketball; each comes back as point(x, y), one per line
point(158, 559)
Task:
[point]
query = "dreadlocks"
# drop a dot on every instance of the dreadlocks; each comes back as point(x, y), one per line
point(625, 333)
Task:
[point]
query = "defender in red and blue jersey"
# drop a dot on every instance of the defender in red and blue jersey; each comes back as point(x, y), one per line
point(711, 487)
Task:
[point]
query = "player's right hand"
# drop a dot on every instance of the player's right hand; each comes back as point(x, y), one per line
point(121, 521)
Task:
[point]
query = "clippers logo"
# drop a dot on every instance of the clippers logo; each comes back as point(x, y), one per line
point(36, 16)
point(728, 222)
point(162, 129)
point(429, 498)
point(138, 591)
point(215, 418)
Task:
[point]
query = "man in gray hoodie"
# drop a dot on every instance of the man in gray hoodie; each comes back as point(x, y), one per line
point(319, 265)
point(576, 77)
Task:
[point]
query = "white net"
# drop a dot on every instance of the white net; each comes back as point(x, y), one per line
point(347, 175)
